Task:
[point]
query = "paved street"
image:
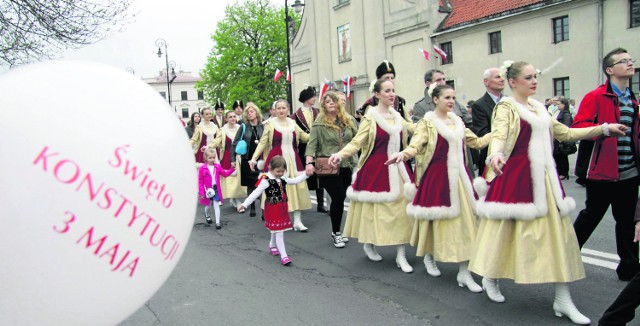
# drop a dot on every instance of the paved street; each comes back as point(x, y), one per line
point(227, 277)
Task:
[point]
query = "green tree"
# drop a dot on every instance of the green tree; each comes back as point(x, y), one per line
point(249, 45)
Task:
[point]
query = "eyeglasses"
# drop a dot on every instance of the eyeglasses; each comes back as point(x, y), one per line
point(624, 62)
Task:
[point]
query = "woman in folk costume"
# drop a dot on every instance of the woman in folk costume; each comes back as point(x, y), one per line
point(280, 137)
point(204, 133)
point(230, 185)
point(526, 233)
point(377, 204)
point(445, 226)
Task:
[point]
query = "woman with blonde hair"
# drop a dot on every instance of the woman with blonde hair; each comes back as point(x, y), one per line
point(250, 131)
point(526, 233)
point(333, 129)
point(204, 133)
point(280, 137)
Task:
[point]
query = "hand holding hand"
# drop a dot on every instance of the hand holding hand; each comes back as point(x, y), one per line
point(395, 158)
point(310, 169)
point(334, 160)
point(497, 162)
point(252, 166)
point(241, 209)
point(617, 129)
point(203, 149)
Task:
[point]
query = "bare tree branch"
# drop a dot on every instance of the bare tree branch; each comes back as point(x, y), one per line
point(40, 29)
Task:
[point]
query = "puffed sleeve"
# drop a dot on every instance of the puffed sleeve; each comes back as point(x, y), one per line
point(217, 141)
point(473, 141)
point(411, 127)
point(419, 139)
point(564, 133)
point(358, 141)
point(500, 128)
point(312, 145)
point(197, 134)
point(265, 141)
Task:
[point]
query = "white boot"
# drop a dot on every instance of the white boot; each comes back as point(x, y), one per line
point(464, 278)
point(297, 223)
point(401, 260)
point(490, 285)
point(563, 305)
point(371, 252)
point(430, 264)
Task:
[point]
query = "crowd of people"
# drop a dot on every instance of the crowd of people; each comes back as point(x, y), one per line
point(409, 175)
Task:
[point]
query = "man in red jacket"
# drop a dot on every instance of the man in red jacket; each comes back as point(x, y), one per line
point(613, 163)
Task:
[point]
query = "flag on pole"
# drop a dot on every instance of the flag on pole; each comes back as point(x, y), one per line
point(424, 52)
point(288, 75)
point(325, 87)
point(347, 82)
point(277, 75)
point(440, 52)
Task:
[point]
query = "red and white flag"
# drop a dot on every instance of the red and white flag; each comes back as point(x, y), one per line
point(440, 52)
point(277, 75)
point(424, 52)
point(325, 87)
point(288, 75)
point(347, 82)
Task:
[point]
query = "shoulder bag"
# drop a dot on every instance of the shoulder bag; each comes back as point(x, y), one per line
point(241, 146)
point(323, 168)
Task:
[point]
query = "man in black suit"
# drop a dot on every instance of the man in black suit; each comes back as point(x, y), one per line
point(482, 109)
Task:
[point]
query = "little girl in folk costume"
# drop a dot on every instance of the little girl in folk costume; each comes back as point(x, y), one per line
point(445, 226)
point(209, 185)
point(276, 208)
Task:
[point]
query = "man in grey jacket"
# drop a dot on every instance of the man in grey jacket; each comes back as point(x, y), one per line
point(426, 104)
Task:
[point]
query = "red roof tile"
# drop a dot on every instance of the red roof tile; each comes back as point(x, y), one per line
point(465, 11)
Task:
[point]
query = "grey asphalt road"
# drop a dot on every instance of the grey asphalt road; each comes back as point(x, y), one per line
point(227, 277)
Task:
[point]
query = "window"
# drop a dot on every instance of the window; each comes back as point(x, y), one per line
point(448, 49)
point(635, 83)
point(183, 95)
point(185, 113)
point(341, 2)
point(495, 42)
point(560, 29)
point(164, 95)
point(200, 95)
point(634, 13)
point(561, 87)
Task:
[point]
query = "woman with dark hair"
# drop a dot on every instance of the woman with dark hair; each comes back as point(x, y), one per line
point(377, 210)
point(250, 131)
point(193, 122)
point(445, 225)
point(333, 129)
point(562, 159)
point(526, 233)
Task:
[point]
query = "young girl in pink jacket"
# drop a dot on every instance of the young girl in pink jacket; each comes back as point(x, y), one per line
point(209, 185)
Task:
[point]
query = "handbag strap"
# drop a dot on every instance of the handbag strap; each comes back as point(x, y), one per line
point(243, 127)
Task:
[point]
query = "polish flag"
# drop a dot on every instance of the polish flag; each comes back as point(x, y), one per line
point(347, 82)
point(440, 52)
point(325, 87)
point(277, 75)
point(288, 75)
point(424, 52)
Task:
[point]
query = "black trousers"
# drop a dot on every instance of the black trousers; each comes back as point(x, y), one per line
point(562, 164)
point(623, 310)
point(336, 187)
point(622, 196)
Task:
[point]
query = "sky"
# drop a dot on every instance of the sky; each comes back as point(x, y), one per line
point(186, 25)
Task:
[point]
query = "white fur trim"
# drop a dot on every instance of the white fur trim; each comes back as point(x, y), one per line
point(287, 139)
point(396, 171)
point(481, 186)
point(410, 191)
point(541, 158)
point(456, 171)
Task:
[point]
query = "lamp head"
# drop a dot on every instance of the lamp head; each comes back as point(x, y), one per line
point(159, 52)
point(297, 6)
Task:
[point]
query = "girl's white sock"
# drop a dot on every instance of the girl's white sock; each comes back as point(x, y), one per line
point(272, 242)
point(216, 210)
point(280, 244)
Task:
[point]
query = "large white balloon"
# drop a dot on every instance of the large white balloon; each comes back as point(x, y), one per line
point(97, 194)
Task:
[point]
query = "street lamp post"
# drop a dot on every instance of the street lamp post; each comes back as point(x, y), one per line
point(297, 6)
point(160, 43)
